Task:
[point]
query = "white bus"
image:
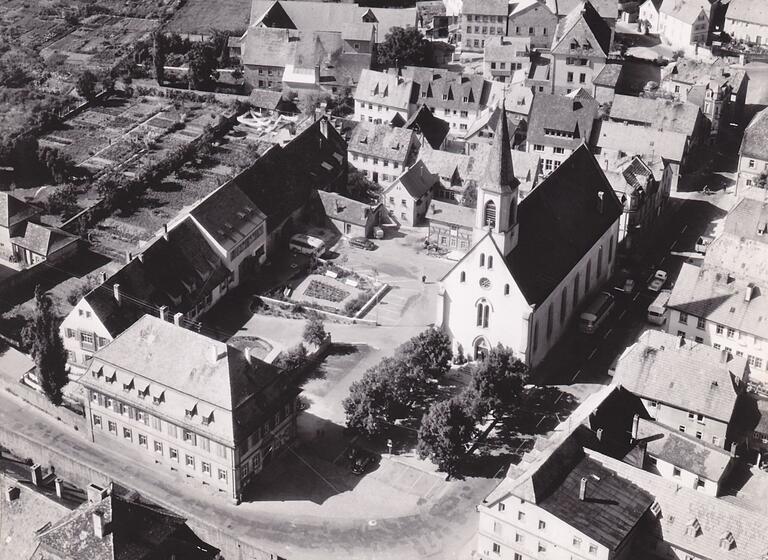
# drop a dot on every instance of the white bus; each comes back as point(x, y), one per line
point(596, 312)
point(307, 244)
point(657, 311)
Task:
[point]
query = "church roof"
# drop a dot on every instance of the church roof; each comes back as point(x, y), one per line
point(560, 221)
point(499, 171)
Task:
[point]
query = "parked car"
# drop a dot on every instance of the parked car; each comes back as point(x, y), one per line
point(626, 287)
point(702, 243)
point(658, 281)
point(362, 243)
point(359, 460)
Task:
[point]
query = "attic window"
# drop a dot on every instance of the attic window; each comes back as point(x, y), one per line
point(587, 44)
point(395, 145)
point(157, 399)
point(445, 97)
point(112, 378)
point(327, 166)
point(144, 393)
point(693, 529)
point(128, 386)
point(192, 412)
point(465, 99)
point(364, 139)
point(727, 542)
point(656, 509)
point(762, 228)
point(97, 372)
point(574, 44)
point(208, 419)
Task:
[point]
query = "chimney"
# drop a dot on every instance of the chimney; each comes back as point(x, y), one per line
point(163, 312)
point(600, 201)
point(12, 493)
point(635, 426)
point(96, 493)
point(583, 489)
point(99, 525)
point(128, 257)
point(733, 449)
point(599, 434)
point(432, 208)
point(177, 317)
point(165, 232)
point(324, 127)
point(140, 256)
point(102, 277)
point(749, 292)
point(36, 474)
point(116, 292)
point(682, 341)
point(59, 484)
point(248, 357)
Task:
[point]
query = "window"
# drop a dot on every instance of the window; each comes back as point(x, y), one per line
point(716, 346)
point(502, 507)
point(715, 440)
point(549, 332)
point(482, 259)
point(576, 542)
point(751, 164)
point(683, 318)
point(189, 460)
point(719, 329)
point(506, 289)
point(189, 437)
point(558, 150)
point(521, 516)
point(143, 440)
point(97, 420)
point(699, 435)
point(563, 305)
point(676, 472)
point(754, 361)
point(497, 527)
point(204, 443)
point(542, 524)
point(681, 428)
point(701, 323)
point(592, 549)
point(463, 276)
point(222, 475)
point(582, 78)
point(158, 447)
point(731, 333)
point(490, 261)
point(70, 333)
point(519, 538)
point(542, 547)
point(681, 334)
point(600, 262)
point(496, 548)
point(173, 453)
point(205, 467)
point(112, 427)
point(569, 79)
point(538, 148)
point(490, 214)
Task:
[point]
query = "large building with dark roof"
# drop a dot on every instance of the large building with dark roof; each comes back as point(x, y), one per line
point(533, 263)
point(753, 153)
point(179, 399)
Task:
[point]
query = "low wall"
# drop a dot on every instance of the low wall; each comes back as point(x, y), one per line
point(336, 316)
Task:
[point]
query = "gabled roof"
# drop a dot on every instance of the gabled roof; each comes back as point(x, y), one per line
point(658, 113)
point(505, 48)
point(684, 451)
point(685, 10)
point(134, 530)
point(719, 296)
point(192, 371)
point(690, 376)
point(338, 207)
point(517, 8)
point(417, 180)
point(559, 222)
point(265, 46)
point(178, 273)
point(748, 220)
point(43, 240)
point(642, 140)
point(382, 140)
point(609, 76)
point(563, 113)
point(385, 88)
point(454, 214)
point(14, 211)
point(433, 128)
point(755, 141)
point(485, 7)
point(608, 9)
point(447, 89)
point(227, 215)
point(752, 11)
point(583, 32)
point(517, 98)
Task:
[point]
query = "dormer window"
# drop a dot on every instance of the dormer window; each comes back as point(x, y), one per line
point(693, 529)
point(128, 386)
point(157, 399)
point(190, 413)
point(112, 378)
point(574, 44)
point(97, 372)
point(727, 542)
point(207, 420)
point(655, 509)
point(143, 393)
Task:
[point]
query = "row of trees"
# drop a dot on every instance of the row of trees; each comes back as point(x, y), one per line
point(403, 386)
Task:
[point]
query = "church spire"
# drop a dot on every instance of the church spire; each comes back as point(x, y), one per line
point(499, 174)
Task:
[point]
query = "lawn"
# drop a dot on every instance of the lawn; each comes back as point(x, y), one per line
point(200, 16)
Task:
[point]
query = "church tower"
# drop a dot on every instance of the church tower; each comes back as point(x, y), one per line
point(498, 192)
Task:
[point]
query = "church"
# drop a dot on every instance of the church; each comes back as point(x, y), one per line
point(532, 264)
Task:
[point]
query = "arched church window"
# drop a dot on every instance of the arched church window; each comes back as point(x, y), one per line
point(490, 214)
point(480, 315)
point(482, 259)
point(513, 211)
point(506, 289)
point(588, 279)
point(610, 250)
point(486, 313)
point(463, 276)
point(600, 262)
point(549, 321)
point(490, 261)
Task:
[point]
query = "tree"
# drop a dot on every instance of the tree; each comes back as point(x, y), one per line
point(293, 358)
point(403, 47)
point(314, 331)
point(159, 53)
point(762, 180)
point(201, 59)
point(499, 378)
point(360, 188)
point(47, 348)
point(430, 352)
point(444, 434)
point(469, 198)
point(86, 85)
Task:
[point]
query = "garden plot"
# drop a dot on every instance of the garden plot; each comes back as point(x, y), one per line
point(325, 291)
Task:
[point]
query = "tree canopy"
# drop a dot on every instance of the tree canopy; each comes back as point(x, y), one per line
point(314, 331)
point(202, 65)
point(444, 434)
point(499, 378)
point(430, 352)
point(403, 47)
point(47, 348)
point(86, 85)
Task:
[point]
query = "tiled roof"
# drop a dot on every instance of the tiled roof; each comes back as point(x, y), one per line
point(13, 210)
point(449, 90)
point(719, 296)
point(684, 451)
point(641, 140)
point(691, 376)
point(449, 165)
point(180, 364)
point(44, 240)
point(755, 141)
point(609, 76)
point(485, 7)
point(345, 209)
point(716, 74)
point(385, 88)
point(742, 249)
point(747, 219)
point(584, 28)
point(660, 114)
point(684, 10)
point(264, 46)
point(433, 128)
point(526, 165)
point(417, 180)
point(227, 215)
point(752, 11)
point(133, 531)
point(518, 7)
point(608, 9)
point(504, 48)
point(382, 140)
point(563, 113)
point(198, 17)
point(628, 175)
point(447, 213)
point(559, 222)
point(516, 97)
point(177, 273)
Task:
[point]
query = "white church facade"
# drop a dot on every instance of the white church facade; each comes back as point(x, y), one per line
point(532, 266)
